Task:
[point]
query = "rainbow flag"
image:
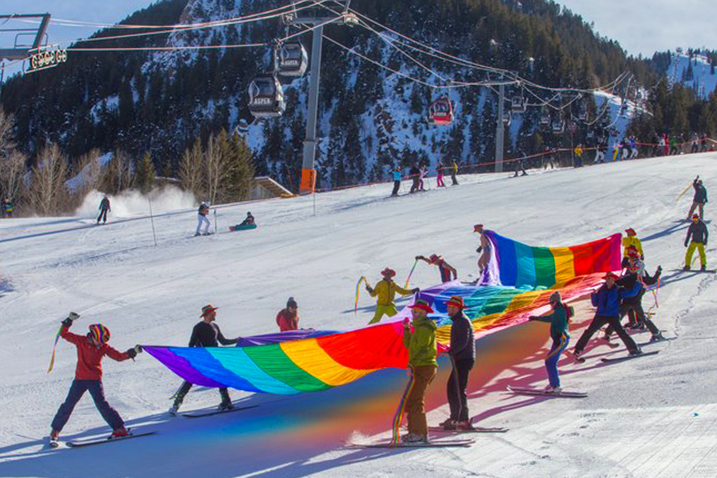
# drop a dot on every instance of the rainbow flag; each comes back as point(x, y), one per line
point(519, 265)
point(523, 277)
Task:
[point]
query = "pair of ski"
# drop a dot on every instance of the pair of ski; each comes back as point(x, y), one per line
point(439, 443)
point(619, 359)
point(101, 441)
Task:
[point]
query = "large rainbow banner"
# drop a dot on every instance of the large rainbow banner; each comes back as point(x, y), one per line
point(521, 279)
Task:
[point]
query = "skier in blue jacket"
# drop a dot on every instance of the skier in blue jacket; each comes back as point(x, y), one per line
point(607, 300)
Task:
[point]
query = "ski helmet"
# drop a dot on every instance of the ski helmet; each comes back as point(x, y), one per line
point(100, 333)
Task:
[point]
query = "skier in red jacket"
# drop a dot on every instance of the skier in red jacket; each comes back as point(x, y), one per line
point(91, 349)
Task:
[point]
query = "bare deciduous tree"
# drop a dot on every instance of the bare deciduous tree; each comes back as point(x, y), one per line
point(47, 189)
point(190, 169)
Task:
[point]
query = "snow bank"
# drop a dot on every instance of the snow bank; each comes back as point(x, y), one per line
point(134, 203)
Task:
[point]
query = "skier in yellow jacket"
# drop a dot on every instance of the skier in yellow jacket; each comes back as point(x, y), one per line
point(386, 291)
point(630, 240)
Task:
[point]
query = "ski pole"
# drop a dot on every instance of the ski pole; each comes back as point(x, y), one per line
point(408, 279)
point(72, 316)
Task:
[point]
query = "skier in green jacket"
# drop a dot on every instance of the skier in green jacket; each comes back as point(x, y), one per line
point(559, 320)
point(422, 352)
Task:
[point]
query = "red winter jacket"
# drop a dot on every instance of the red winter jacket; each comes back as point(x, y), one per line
point(89, 357)
point(286, 321)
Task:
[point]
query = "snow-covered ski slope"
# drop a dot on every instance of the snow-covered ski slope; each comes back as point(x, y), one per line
point(653, 417)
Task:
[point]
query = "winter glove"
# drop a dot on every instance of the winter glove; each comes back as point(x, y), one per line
point(68, 321)
point(416, 290)
point(132, 353)
point(418, 258)
point(480, 249)
point(369, 289)
point(532, 317)
point(138, 348)
point(685, 243)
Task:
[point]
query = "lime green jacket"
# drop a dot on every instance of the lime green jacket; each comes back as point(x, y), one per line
point(421, 344)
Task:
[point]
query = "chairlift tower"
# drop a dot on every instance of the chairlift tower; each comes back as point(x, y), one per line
point(308, 170)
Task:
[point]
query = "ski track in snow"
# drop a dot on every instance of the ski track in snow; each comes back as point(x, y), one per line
point(651, 417)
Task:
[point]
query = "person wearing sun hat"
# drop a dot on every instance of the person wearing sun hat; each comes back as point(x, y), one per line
point(447, 271)
point(386, 291)
point(631, 240)
point(607, 301)
point(559, 320)
point(422, 351)
point(463, 357)
point(91, 349)
point(205, 334)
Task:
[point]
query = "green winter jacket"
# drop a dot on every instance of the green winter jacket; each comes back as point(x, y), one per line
point(421, 344)
point(559, 321)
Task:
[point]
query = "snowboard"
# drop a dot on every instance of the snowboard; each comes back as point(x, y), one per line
point(629, 357)
point(543, 393)
point(216, 412)
point(430, 444)
point(100, 441)
point(239, 227)
point(474, 430)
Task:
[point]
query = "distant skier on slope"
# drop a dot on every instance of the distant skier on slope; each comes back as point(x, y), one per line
point(91, 349)
point(396, 181)
point(463, 357)
point(202, 221)
point(104, 209)
point(439, 176)
point(578, 156)
point(422, 351)
point(559, 320)
point(700, 198)
point(454, 173)
point(699, 235)
point(205, 334)
point(447, 271)
point(249, 220)
point(288, 318)
point(386, 291)
point(415, 175)
point(520, 163)
point(607, 300)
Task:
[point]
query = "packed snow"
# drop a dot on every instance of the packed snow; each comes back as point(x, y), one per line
point(651, 417)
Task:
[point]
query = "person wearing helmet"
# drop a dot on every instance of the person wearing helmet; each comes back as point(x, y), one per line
point(699, 235)
point(448, 272)
point(91, 349)
point(386, 291)
point(205, 334)
point(700, 198)
point(249, 221)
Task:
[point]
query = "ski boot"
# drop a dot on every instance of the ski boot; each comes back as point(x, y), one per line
point(703, 268)
point(636, 352)
point(463, 425)
point(119, 433)
point(414, 438)
point(551, 389)
point(52, 439)
point(686, 268)
point(225, 407)
point(657, 337)
point(448, 425)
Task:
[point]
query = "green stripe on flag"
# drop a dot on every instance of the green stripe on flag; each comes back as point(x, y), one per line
point(272, 360)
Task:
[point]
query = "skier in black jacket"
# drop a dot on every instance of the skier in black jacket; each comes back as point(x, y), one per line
point(104, 209)
point(700, 198)
point(699, 235)
point(205, 334)
point(463, 358)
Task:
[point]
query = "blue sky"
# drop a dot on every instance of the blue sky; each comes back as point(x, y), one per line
point(640, 26)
